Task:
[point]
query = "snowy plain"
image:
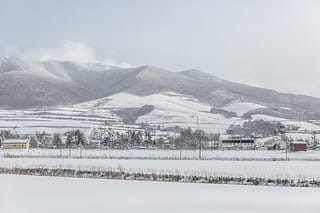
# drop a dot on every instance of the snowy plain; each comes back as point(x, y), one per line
point(20, 194)
point(310, 155)
point(294, 170)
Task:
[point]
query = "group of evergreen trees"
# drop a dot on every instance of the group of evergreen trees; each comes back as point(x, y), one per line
point(255, 128)
point(198, 139)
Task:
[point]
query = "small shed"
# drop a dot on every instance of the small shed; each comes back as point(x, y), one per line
point(297, 146)
point(16, 144)
point(94, 143)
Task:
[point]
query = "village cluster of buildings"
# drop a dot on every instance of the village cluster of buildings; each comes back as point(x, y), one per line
point(271, 144)
point(225, 144)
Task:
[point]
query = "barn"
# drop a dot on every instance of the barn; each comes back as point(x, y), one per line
point(240, 143)
point(297, 146)
point(16, 144)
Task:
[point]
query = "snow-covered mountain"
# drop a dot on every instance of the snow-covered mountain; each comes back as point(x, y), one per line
point(25, 84)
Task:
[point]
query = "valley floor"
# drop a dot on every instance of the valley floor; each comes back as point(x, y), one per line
point(21, 194)
point(302, 166)
point(237, 155)
point(291, 170)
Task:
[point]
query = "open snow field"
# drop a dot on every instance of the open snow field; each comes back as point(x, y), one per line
point(59, 119)
point(169, 154)
point(241, 107)
point(295, 170)
point(170, 109)
point(20, 194)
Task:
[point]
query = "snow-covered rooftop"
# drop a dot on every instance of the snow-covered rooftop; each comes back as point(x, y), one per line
point(15, 141)
point(298, 142)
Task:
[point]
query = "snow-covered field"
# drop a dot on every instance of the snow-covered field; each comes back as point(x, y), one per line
point(296, 170)
point(54, 120)
point(20, 194)
point(171, 109)
point(175, 109)
point(170, 154)
point(241, 107)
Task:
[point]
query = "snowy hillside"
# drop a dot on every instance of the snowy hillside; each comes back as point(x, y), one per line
point(169, 110)
point(241, 107)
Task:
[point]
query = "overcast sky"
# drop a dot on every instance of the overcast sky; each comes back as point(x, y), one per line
point(273, 44)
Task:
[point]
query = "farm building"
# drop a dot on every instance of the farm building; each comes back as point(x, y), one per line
point(298, 146)
point(94, 143)
point(275, 144)
point(16, 144)
point(238, 143)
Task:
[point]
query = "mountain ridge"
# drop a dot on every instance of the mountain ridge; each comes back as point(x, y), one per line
point(49, 83)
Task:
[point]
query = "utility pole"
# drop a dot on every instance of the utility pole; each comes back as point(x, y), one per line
point(60, 146)
point(78, 134)
point(283, 138)
point(69, 150)
point(199, 136)
point(199, 146)
point(314, 139)
point(80, 150)
point(197, 124)
point(286, 150)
